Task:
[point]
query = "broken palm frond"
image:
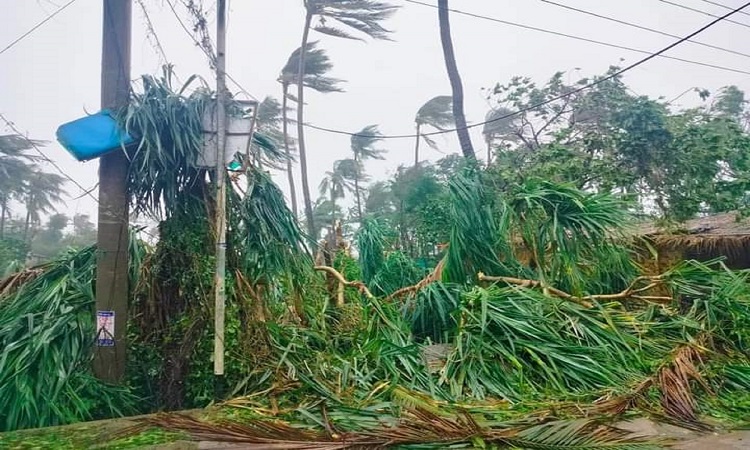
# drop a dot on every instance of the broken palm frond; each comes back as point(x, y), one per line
point(631, 292)
point(674, 381)
point(46, 338)
point(167, 122)
point(414, 427)
point(16, 280)
point(513, 343)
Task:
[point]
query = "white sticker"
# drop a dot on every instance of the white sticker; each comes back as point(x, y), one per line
point(105, 326)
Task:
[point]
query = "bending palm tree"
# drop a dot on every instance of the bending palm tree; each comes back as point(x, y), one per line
point(363, 148)
point(267, 130)
point(437, 113)
point(42, 191)
point(335, 18)
point(496, 125)
point(15, 169)
point(339, 181)
point(458, 91)
point(317, 64)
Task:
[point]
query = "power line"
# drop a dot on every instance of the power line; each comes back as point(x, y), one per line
point(152, 32)
point(724, 6)
point(641, 27)
point(46, 158)
point(580, 38)
point(21, 37)
point(700, 11)
point(211, 57)
point(550, 100)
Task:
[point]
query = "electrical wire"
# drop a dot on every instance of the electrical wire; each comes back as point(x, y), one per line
point(152, 32)
point(550, 100)
point(724, 6)
point(34, 28)
point(580, 38)
point(46, 158)
point(641, 27)
point(700, 11)
point(210, 56)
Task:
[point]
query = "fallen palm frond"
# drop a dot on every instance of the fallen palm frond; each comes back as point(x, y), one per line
point(46, 339)
point(415, 427)
point(15, 281)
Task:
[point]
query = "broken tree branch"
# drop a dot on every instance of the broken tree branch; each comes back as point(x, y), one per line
point(629, 292)
point(360, 286)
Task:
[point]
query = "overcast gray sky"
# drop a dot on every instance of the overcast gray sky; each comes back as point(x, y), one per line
point(52, 76)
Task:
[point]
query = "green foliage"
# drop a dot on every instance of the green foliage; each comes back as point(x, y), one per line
point(397, 271)
point(605, 139)
point(46, 337)
point(371, 246)
point(12, 251)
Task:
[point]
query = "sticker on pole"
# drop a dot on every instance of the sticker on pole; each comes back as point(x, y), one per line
point(105, 326)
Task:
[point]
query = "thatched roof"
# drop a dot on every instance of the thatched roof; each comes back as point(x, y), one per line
point(723, 224)
point(725, 234)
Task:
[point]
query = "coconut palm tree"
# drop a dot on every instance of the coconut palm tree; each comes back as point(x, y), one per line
point(15, 169)
point(339, 181)
point(455, 78)
point(437, 112)
point(317, 65)
point(41, 192)
point(268, 121)
point(498, 122)
point(363, 148)
point(338, 18)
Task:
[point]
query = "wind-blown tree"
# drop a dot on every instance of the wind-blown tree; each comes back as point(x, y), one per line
point(363, 148)
point(325, 211)
point(437, 113)
point(497, 126)
point(15, 168)
point(317, 65)
point(339, 181)
point(455, 78)
point(41, 192)
point(342, 19)
point(268, 121)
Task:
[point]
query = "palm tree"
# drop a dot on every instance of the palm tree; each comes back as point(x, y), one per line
point(15, 169)
point(363, 148)
point(498, 122)
point(335, 18)
point(437, 113)
point(455, 78)
point(317, 64)
point(268, 127)
point(339, 181)
point(41, 192)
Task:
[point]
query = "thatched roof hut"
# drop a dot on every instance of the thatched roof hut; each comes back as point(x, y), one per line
point(724, 235)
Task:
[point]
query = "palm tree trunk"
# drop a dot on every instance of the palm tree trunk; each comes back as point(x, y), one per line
point(489, 151)
point(455, 78)
point(289, 172)
point(3, 211)
point(416, 146)
point(301, 128)
point(356, 190)
point(26, 224)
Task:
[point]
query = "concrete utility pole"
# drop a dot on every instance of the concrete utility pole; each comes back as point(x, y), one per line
point(221, 193)
point(112, 238)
